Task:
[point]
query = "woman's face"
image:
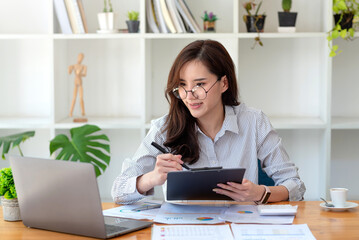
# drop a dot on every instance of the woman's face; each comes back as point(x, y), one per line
point(195, 73)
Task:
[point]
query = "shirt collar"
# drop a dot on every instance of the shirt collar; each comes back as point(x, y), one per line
point(229, 124)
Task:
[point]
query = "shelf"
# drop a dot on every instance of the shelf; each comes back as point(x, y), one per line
point(104, 123)
point(345, 123)
point(98, 36)
point(284, 35)
point(24, 36)
point(297, 123)
point(22, 123)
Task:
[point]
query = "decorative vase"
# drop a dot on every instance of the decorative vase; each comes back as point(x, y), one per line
point(133, 26)
point(209, 26)
point(11, 210)
point(107, 20)
point(254, 23)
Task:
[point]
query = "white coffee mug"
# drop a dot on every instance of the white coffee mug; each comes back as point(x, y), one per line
point(338, 196)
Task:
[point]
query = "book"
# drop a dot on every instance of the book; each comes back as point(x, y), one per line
point(161, 21)
point(83, 17)
point(74, 16)
point(195, 23)
point(185, 15)
point(150, 17)
point(167, 17)
point(176, 19)
point(62, 16)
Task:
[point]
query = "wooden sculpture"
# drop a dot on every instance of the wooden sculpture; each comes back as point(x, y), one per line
point(80, 71)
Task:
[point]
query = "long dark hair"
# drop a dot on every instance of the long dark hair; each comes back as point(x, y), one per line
point(180, 124)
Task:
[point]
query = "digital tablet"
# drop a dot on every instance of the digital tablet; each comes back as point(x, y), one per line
point(199, 185)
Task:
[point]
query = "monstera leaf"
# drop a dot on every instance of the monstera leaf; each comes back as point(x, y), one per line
point(84, 147)
point(15, 140)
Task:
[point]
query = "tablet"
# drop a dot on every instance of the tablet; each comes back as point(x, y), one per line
point(199, 185)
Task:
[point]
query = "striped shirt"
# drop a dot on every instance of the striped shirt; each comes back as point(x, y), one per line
point(246, 135)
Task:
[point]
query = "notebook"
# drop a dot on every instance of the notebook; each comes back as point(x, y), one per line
point(63, 196)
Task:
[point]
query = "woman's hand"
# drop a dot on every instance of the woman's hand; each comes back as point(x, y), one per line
point(165, 163)
point(245, 192)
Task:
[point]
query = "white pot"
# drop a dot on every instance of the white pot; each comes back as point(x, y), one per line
point(11, 210)
point(107, 20)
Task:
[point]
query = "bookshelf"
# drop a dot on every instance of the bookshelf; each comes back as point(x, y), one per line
point(309, 97)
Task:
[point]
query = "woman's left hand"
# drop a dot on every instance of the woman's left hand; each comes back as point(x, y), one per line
point(245, 192)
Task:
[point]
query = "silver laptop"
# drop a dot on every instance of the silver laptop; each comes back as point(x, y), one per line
point(63, 196)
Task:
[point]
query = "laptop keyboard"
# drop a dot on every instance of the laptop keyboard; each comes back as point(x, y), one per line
point(113, 229)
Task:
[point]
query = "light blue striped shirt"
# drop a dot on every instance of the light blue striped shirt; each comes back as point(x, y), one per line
point(246, 135)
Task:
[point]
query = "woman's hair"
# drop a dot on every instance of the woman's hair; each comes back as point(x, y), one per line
point(180, 124)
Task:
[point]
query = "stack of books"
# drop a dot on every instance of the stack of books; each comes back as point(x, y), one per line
point(71, 16)
point(170, 16)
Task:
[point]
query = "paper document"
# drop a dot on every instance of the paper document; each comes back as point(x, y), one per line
point(125, 211)
point(192, 232)
point(250, 214)
point(189, 214)
point(271, 232)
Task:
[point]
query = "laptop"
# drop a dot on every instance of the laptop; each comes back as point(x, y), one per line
point(63, 196)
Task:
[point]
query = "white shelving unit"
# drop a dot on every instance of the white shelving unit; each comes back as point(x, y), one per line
point(309, 98)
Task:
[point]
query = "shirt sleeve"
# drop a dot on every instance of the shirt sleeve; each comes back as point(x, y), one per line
point(124, 190)
point(275, 160)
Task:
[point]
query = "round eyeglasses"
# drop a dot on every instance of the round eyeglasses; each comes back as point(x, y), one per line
point(197, 91)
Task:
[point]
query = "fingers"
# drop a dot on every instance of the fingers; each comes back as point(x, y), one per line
point(169, 162)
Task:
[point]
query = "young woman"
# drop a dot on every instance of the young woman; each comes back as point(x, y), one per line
point(206, 127)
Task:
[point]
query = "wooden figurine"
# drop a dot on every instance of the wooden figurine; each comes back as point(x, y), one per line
point(80, 71)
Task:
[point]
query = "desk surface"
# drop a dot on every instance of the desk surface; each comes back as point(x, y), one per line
point(323, 224)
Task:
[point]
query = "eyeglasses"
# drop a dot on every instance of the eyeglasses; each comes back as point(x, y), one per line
point(197, 91)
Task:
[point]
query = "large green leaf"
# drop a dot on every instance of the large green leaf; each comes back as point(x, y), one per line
point(84, 147)
point(14, 140)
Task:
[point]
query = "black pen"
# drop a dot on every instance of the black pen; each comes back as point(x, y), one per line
point(156, 145)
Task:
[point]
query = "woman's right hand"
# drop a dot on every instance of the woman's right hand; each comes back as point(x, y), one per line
point(165, 163)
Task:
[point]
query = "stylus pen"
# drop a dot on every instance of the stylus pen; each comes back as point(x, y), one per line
point(156, 145)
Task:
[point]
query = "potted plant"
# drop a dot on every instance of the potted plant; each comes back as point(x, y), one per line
point(344, 11)
point(286, 18)
point(9, 202)
point(107, 19)
point(254, 22)
point(132, 22)
point(209, 22)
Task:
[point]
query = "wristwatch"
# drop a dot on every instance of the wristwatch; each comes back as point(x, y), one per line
point(265, 196)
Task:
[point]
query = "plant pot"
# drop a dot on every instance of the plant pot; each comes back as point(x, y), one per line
point(133, 26)
point(11, 210)
point(347, 20)
point(287, 19)
point(209, 26)
point(254, 23)
point(107, 20)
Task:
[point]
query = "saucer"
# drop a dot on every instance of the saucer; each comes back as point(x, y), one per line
point(348, 205)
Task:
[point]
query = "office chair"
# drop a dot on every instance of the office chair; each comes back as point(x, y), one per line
point(263, 178)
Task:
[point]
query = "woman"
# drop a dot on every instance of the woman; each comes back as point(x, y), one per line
point(206, 127)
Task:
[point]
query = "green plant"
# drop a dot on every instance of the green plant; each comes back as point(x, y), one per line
point(342, 8)
point(132, 15)
point(209, 17)
point(15, 141)
point(7, 185)
point(286, 5)
point(83, 146)
point(109, 6)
